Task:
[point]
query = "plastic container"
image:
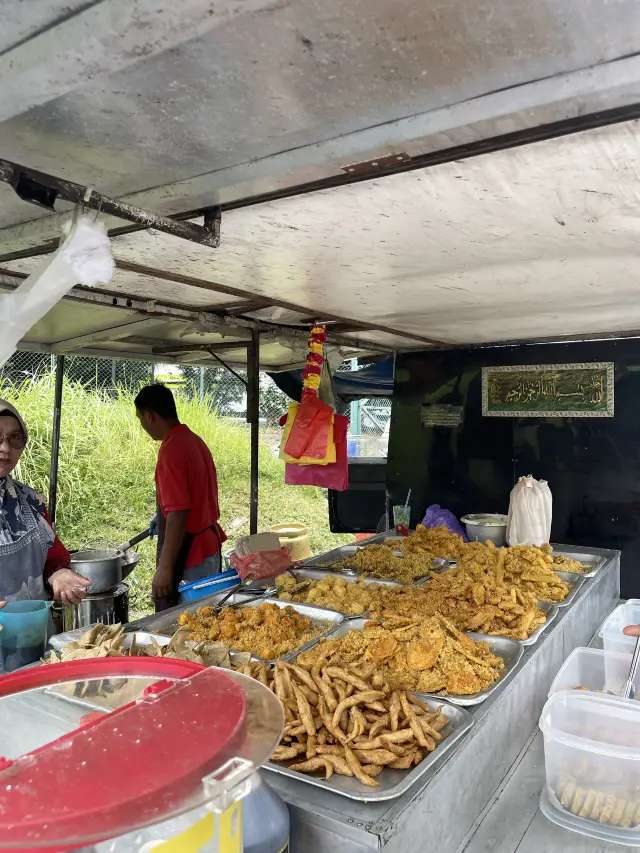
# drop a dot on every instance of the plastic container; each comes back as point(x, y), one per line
point(265, 820)
point(24, 633)
point(170, 743)
point(592, 763)
point(594, 669)
point(295, 536)
point(208, 586)
point(613, 640)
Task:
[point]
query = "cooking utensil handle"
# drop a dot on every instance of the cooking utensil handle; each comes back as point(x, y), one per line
point(136, 540)
point(249, 579)
point(629, 690)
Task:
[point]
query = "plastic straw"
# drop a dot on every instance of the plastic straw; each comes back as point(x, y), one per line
point(406, 503)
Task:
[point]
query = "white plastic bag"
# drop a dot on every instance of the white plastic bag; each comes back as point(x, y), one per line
point(84, 257)
point(530, 508)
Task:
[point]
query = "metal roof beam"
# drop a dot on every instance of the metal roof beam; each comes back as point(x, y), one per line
point(105, 38)
point(113, 333)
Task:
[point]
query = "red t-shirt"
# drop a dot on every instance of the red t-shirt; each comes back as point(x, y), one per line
point(186, 479)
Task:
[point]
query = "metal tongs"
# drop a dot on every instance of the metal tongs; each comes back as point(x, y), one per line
point(629, 689)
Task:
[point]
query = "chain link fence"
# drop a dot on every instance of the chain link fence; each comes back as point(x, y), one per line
point(224, 391)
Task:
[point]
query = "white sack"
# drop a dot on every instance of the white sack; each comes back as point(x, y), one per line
point(530, 508)
point(84, 257)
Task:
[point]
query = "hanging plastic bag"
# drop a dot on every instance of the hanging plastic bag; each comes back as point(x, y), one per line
point(330, 454)
point(436, 516)
point(262, 564)
point(309, 434)
point(333, 476)
point(84, 257)
point(530, 508)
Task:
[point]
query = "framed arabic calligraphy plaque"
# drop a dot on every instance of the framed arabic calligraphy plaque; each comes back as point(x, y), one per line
point(549, 390)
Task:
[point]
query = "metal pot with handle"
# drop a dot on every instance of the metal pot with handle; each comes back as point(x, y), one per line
point(102, 566)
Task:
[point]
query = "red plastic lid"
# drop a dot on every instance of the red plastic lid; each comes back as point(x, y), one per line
point(112, 745)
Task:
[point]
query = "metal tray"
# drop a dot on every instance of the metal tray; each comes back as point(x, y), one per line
point(509, 650)
point(318, 575)
point(143, 638)
point(595, 560)
point(552, 611)
point(392, 783)
point(166, 623)
point(576, 582)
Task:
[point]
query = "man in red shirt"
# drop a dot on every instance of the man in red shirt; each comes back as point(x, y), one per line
point(189, 534)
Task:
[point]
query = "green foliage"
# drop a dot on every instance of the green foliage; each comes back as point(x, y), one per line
point(105, 480)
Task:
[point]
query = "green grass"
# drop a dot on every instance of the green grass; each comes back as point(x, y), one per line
point(105, 479)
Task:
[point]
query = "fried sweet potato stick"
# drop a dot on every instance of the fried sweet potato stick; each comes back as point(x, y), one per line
point(317, 763)
point(360, 698)
point(356, 768)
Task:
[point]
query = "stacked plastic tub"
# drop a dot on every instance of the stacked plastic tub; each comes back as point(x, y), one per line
point(592, 739)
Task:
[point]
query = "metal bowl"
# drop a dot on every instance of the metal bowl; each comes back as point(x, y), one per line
point(485, 526)
point(102, 566)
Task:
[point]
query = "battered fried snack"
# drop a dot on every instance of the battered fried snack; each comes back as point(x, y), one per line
point(590, 796)
point(267, 631)
point(379, 561)
point(355, 739)
point(334, 592)
point(431, 541)
point(430, 656)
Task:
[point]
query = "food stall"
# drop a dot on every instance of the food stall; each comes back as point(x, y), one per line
point(431, 185)
point(448, 799)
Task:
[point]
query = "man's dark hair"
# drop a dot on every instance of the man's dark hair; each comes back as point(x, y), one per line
point(158, 399)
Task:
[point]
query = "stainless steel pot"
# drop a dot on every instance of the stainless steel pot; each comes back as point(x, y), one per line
point(103, 567)
point(108, 608)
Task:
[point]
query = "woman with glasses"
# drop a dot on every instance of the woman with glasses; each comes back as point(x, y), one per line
point(32, 558)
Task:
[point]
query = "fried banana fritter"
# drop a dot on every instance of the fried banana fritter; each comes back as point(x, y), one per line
point(428, 655)
point(333, 592)
point(268, 631)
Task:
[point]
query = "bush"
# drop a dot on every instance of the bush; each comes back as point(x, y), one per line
point(105, 478)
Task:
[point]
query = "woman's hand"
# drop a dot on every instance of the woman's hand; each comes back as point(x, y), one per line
point(632, 631)
point(68, 586)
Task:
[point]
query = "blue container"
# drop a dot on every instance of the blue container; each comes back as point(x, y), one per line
point(24, 633)
point(208, 586)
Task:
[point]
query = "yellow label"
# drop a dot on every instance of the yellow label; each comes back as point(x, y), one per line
point(230, 824)
point(202, 832)
point(190, 841)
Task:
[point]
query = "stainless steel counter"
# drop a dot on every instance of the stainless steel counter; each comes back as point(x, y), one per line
point(450, 812)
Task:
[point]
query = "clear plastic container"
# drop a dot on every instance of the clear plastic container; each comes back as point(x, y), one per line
point(594, 669)
point(613, 640)
point(592, 763)
point(149, 749)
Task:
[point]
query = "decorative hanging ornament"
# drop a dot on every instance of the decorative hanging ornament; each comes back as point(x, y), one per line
point(315, 359)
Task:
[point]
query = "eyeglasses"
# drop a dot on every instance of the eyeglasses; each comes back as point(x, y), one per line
point(16, 440)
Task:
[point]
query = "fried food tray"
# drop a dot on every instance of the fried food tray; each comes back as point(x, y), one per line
point(552, 611)
point(595, 561)
point(143, 638)
point(392, 783)
point(167, 623)
point(509, 650)
point(575, 581)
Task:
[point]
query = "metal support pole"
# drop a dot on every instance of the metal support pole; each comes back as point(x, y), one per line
point(201, 384)
point(253, 417)
point(55, 438)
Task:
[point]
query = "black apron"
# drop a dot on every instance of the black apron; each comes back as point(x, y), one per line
point(180, 565)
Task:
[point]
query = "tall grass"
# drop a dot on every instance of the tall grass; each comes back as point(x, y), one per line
point(105, 479)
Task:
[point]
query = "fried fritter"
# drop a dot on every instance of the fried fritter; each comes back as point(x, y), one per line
point(268, 631)
point(430, 656)
point(333, 592)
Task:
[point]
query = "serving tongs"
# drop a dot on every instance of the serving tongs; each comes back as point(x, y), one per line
point(629, 689)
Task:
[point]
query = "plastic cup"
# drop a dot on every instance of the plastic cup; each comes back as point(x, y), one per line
point(401, 519)
point(24, 633)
